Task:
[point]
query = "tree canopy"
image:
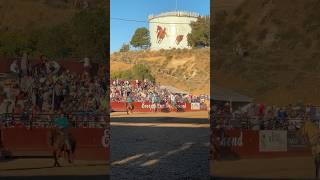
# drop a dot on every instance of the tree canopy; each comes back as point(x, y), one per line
point(83, 36)
point(200, 33)
point(141, 38)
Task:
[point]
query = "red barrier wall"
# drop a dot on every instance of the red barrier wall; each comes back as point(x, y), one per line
point(245, 144)
point(22, 141)
point(146, 106)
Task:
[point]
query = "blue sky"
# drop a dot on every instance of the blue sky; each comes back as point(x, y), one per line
point(122, 31)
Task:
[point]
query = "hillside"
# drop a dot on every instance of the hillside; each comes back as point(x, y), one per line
point(28, 14)
point(184, 69)
point(226, 5)
point(269, 50)
point(56, 28)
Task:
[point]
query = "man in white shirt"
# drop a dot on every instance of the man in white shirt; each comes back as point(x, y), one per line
point(24, 64)
point(87, 65)
point(14, 67)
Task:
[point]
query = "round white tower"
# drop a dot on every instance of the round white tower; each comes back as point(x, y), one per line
point(169, 30)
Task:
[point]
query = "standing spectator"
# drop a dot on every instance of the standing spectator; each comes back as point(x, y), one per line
point(261, 110)
point(52, 67)
point(14, 67)
point(24, 65)
point(87, 66)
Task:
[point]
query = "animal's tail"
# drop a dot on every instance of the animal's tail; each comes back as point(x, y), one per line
point(73, 148)
point(73, 144)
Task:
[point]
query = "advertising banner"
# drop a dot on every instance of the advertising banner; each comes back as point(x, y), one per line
point(235, 142)
point(295, 141)
point(149, 107)
point(271, 141)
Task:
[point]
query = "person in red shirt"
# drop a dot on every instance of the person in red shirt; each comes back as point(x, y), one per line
point(261, 109)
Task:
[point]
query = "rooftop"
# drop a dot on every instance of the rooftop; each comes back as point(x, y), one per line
point(221, 94)
point(174, 13)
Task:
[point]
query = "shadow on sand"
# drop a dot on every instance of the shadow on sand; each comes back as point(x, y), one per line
point(159, 152)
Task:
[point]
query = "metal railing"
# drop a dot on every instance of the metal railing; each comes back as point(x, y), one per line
point(46, 120)
point(257, 123)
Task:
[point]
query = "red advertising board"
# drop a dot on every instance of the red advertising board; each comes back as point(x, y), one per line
point(148, 107)
point(92, 143)
point(238, 143)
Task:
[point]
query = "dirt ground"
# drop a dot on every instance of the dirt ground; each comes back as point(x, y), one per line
point(277, 168)
point(160, 145)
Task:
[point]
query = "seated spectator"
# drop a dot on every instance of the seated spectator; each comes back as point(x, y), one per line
point(52, 67)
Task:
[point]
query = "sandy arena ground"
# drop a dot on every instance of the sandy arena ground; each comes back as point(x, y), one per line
point(279, 168)
point(160, 145)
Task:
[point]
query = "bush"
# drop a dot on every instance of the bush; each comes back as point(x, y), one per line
point(125, 48)
point(137, 72)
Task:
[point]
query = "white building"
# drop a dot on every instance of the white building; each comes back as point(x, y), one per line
point(169, 30)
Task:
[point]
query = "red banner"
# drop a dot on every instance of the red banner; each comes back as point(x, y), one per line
point(148, 107)
point(235, 143)
point(239, 143)
point(92, 143)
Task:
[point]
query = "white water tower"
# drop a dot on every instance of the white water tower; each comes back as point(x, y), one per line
point(170, 29)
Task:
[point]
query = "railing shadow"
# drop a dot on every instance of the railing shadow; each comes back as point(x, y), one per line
point(67, 177)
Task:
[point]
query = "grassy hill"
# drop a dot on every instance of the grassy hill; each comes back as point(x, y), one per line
point(269, 50)
point(184, 69)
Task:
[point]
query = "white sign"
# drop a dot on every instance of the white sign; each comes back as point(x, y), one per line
point(195, 106)
point(270, 141)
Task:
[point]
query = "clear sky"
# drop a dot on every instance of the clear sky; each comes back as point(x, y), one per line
point(122, 31)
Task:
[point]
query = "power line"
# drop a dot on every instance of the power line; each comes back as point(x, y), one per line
point(139, 21)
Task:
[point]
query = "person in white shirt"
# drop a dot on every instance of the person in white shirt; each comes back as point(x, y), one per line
point(14, 67)
point(24, 64)
point(86, 65)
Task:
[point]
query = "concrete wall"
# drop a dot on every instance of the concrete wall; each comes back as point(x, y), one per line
point(176, 23)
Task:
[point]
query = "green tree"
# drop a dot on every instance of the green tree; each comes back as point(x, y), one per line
point(83, 35)
point(200, 33)
point(89, 33)
point(141, 38)
point(54, 42)
point(141, 72)
point(125, 48)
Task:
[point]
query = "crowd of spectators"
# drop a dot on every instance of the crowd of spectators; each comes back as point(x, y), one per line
point(147, 91)
point(262, 117)
point(41, 89)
